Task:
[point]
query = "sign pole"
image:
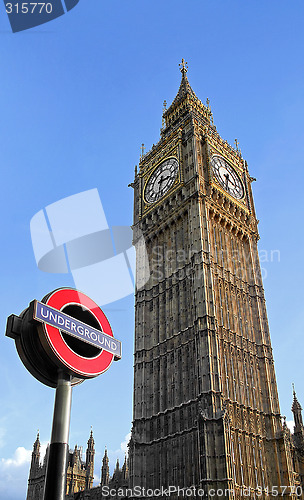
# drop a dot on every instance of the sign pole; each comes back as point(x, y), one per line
point(61, 350)
point(55, 482)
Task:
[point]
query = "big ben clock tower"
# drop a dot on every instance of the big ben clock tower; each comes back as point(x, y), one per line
point(206, 410)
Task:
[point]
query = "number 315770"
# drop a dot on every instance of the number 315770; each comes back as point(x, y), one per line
point(28, 8)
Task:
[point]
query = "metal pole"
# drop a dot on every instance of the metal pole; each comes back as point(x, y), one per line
point(55, 481)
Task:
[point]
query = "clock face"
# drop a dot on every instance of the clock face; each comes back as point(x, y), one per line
point(227, 177)
point(161, 180)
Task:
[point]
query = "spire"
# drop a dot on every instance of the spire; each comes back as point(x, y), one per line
point(105, 457)
point(90, 449)
point(35, 455)
point(298, 435)
point(185, 102)
point(296, 409)
point(90, 453)
point(125, 469)
point(91, 441)
point(105, 472)
point(185, 87)
point(36, 447)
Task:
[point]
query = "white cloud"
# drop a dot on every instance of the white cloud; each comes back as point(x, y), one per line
point(14, 474)
point(96, 480)
point(124, 444)
point(290, 425)
point(20, 457)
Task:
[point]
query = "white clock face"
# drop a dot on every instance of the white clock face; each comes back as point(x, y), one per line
point(161, 180)
point(227, 177)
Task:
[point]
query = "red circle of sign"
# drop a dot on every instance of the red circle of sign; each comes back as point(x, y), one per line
point(88, 367)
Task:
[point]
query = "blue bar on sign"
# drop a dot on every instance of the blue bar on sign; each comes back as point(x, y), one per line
point(76, 328)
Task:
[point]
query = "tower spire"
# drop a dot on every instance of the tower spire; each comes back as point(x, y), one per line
point(35, 456)
point(298, 436)
point(90, 453)
point(184, 91)
point(185, 87)
point(296, 409)
point(105, 471)
point(125, 469)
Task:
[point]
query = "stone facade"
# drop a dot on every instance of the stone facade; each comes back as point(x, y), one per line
point(80, 475)
point(206, 408)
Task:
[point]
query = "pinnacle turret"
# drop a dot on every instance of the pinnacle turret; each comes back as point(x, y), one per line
point(91, 442)
point(90, 453)
point(36, 447)
point(105, 471)
point(296, 409)
point(35, 462)
point(125, 469)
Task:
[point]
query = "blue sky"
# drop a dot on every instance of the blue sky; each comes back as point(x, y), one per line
point(78, 97)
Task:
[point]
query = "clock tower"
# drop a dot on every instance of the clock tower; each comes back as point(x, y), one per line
point(206, 410)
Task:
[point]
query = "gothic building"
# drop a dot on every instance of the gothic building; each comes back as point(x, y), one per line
point(118, 483)
point(206, 408)
point(80, 474)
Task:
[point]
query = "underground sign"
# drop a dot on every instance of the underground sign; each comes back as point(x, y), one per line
point(65, 331)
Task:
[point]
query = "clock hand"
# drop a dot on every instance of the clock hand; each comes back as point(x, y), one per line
point(164, 178)
point(227, 180)
point(158, 182)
